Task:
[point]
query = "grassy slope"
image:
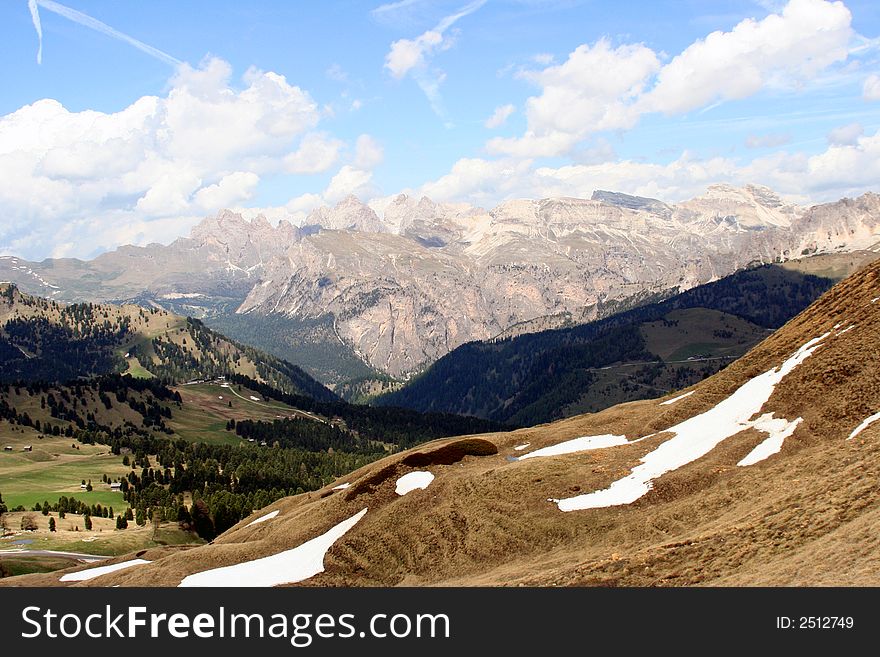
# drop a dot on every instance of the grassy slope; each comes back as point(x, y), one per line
point(57, 465)
point(204, 414)
point(55, 468)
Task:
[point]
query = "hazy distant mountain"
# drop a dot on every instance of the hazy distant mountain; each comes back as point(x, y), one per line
point(394, 293)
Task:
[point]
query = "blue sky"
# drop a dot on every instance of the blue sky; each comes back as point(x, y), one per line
point(280, 107)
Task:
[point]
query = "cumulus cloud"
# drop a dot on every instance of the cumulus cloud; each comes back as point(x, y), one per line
point(499, 116)
point(780, 50)
point(841, 170)
point(231, 189)
point(595, 89)
point(203, 145)
point(871, 88)
point(368, 153)
point(603, 88)
point(349, 180)
point(317, 152)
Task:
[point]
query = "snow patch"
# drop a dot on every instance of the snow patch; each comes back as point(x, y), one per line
point(264, 518)
point(778, 429)
point(675, 399)
point(341, 486)
point(413, 480)
point(255, 398)
point(286, 567)
point(694, 437)
point(91, 573)
point(583, 444)
point(520, 448)
point(181, 295)
point(848, 328)
point(864, 425)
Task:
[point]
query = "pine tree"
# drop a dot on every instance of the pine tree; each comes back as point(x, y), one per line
point(51, 524)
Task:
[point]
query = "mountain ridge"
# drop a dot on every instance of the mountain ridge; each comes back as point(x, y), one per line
point(404, 291)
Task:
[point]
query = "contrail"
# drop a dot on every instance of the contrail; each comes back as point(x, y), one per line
point(98, 26)
point(35, 17)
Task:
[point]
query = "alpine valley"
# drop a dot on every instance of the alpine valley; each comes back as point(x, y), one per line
point(763, 474)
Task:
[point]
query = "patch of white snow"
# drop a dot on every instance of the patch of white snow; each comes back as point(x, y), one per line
point(264, 518)
point(778, 429)
point(675, 399)
point(286, 567)
point(91, 573)
point(864, 425)
point(694, 437)
point(413, 480)
point(582, 444)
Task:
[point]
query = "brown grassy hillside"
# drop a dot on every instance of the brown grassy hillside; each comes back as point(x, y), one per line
point(808, 515)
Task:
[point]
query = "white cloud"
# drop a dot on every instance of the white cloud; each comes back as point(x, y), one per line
point(407, 54)
point(349, 180)
point(781, 50)
point(234, 188)
point(871, 88)
point(602, 88)
point(411, 56)
point(480, 181)
point(317, 152)
point(594, 90)
point(205, 142)
point(544, 59)
point(368, 152)
point(500, 116)
point(846, 135)
point(841, 170)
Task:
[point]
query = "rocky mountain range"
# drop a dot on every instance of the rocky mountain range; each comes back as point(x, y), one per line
point(400, 290)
